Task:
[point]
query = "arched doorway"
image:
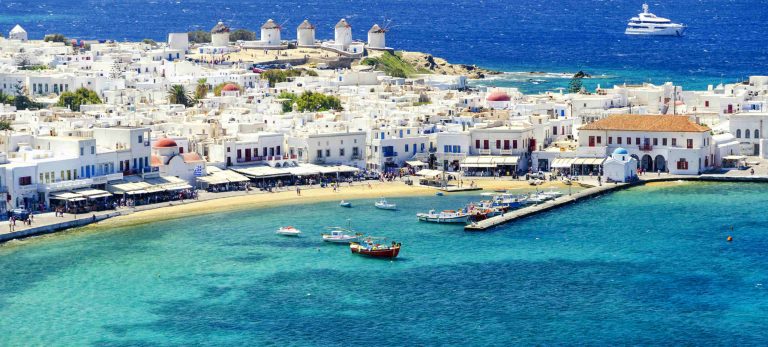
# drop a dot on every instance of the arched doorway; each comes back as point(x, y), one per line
point(660, 164)
point(647, 163)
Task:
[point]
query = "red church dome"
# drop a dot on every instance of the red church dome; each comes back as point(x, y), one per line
point(230, 88)
point(498, 96)
point(165, 143)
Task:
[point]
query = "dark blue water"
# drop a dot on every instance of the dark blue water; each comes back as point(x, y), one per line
point(646, 266)
point(726, 40)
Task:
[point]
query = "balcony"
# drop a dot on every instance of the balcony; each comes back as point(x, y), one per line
point(357, 157)
point(390, 154)
point(645, 148)
point(484, 151)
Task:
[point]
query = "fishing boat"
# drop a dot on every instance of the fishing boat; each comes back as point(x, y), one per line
point(370, 248)
point(340, 235)
point(345, 203)
point(447, 216)
point(288, 231)
point(537, 198)
point(384, 205)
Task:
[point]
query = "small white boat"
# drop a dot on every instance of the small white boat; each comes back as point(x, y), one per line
point(447, 216)
point(537, 198)
point(552, 193)
point(384, 205)
point(288, 231)
point(345, 203)
point(338, 235)
point(647, 23)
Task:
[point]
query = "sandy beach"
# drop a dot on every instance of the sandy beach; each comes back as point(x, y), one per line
point(254, 200)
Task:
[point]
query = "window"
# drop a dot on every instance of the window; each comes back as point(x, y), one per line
point(599, 140)
point(25, 181)
point(610, 140)
point(629, 140)
point(498, 144)
point(141, 139)
point(618, 140)
point(706, 103)
point(689, 143)
point(93, 149)
point(514, 144)
point(327, 152)
point(655, 141)
point(406, 147)
point(485, 144)
point(341, 152)
point(674, 142)
point(355, 151)
point(477, 144)
point(229, 149)
point(637, 140)
point(746, 134)
point(738, 133)
point(239, 153)
point(446, 149)
point(757, 133)
point(682, 164)
point(554, 130)
point(664, 141)
point(319, 153)
point(82, 151)
point(591, 141)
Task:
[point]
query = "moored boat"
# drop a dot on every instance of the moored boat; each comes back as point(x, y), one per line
point(447, 216)
point(288, 231)
point(345, 203)
point(384, 205)
point(372, 249)
point(339, 235)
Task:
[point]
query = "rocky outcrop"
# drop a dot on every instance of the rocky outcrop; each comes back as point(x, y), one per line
point(423, 61)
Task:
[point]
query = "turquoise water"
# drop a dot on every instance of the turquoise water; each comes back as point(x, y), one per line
point(648, 265)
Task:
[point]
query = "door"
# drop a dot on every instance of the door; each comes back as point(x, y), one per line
point(730, 108)
point(247, 154)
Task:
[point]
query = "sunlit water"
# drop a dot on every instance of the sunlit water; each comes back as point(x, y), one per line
point(649, 265)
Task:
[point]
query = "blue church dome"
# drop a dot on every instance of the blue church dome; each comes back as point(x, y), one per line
point(620, 151)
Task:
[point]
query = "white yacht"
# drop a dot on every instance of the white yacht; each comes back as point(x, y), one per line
point(647, 23)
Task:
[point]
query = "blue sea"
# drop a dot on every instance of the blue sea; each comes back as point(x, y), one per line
point(725, 41)
point(645, 266)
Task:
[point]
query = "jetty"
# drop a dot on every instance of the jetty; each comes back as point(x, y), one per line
point(593, 189)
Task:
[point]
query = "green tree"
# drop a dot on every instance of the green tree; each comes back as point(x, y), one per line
point(5, 125)
point(276, 76)
point(290, 98)
point(575, 85)
point(5, 98)
point(309, 101)
point(242, 34)
point(150, 42)
point(81, 96)
point(55, 38)
point(201, 90)
point(180, 96)
point(21, 100)
point(199, 36)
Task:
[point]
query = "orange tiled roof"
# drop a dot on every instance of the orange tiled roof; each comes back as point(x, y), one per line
point(650, 123)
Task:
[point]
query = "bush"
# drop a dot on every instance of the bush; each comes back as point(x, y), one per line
point(55, 38)
point(309, 101)
point(79, 97)
point(199, 36)
point(242, 34)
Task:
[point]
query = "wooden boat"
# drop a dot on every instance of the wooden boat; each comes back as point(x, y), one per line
point(384, 205)
point(288, 231)
point(345, 203)
point(447, 216)
point(371, 249)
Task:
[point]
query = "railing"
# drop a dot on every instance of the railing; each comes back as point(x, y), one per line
point(484, 151)
point(645, 148)
point(390, 155)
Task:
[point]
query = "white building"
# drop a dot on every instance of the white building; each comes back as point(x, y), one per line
point(18, 33)
point(305, 34)
point(342, 34)
point(660, 143)
point(376, 37)
point(220, 35)
point(620, 166)
point(178, 41)
point(270, 33)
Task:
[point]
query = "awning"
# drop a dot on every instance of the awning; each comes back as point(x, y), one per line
point(105, 195)
point(561, 163)
point(506, 161)
point(66, 196)
point(429, 173)
point(92, 193)
point(262, 172)
point(335, 169)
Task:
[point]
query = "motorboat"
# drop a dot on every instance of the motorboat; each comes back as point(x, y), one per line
point(384, 205)
point(446, 216)
point(647, 23)
point(369, 247)
point(340, 235)
point(538, 198)
point(288, 231)
point(345, 203)
point(552, 193)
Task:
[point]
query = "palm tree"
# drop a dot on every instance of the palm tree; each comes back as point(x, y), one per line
point(179, 95)
point(201, 91)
